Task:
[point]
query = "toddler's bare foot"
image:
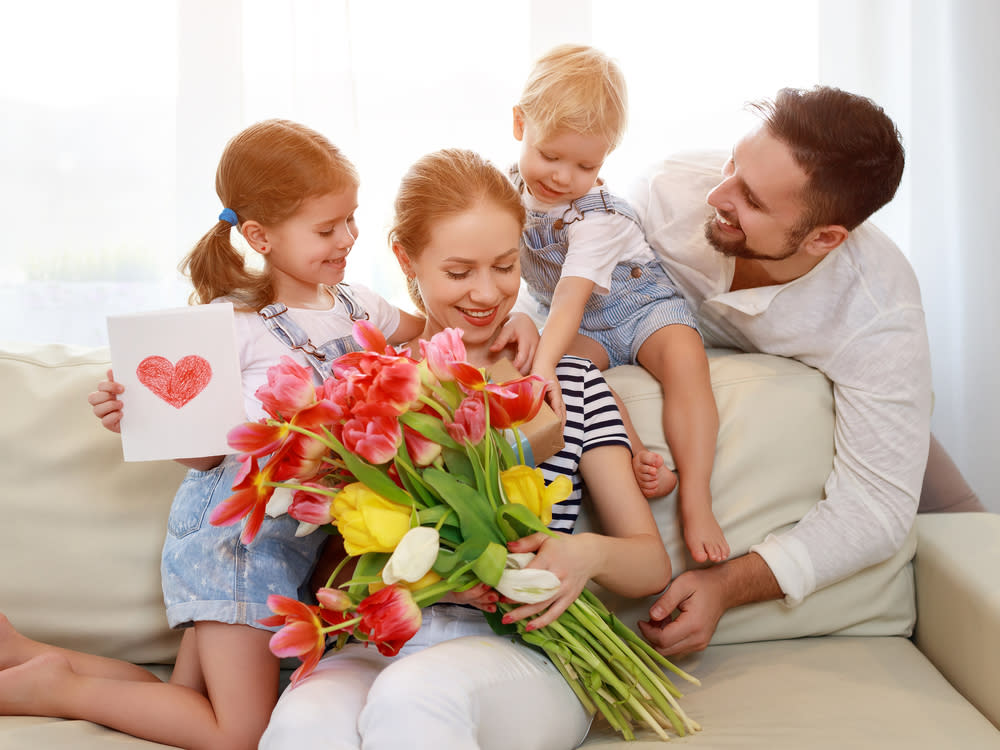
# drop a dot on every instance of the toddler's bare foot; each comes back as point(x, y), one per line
point(654, 478)
point(29, 689)
point(703, 536)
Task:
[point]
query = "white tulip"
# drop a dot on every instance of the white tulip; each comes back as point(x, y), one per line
point(414, 556)
point(526, 585)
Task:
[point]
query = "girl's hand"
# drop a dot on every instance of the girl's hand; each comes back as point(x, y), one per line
point(570, 558)
point(105, 403)
point(519, 332)
point(480, 596)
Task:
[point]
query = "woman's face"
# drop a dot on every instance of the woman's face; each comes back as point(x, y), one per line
point(469, 273)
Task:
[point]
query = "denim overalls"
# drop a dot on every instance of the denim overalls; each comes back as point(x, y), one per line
point(641, 298)
point(207, 573)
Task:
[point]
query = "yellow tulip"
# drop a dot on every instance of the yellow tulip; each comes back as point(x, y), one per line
point(367, 521)
point(526, 486)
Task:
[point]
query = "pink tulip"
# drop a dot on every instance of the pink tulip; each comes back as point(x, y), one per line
point(470, 421)
point(375, 440)
point(249, 499)
point(312, 507)
point(423, 452)
point(444, 348)
point(289, 389)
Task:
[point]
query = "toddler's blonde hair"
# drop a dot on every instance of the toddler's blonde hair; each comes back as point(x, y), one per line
point(576, 88)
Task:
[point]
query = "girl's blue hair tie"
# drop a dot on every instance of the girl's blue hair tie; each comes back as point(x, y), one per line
point(229, 215)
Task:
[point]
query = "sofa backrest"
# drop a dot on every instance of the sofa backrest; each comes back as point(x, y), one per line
point(773, 457)
point(82, 531)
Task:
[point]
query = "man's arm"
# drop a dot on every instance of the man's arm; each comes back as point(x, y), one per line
point(697, 599)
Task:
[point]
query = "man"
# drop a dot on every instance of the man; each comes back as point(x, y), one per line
point(782, 261)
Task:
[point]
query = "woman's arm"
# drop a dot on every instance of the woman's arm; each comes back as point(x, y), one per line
point(629, 558)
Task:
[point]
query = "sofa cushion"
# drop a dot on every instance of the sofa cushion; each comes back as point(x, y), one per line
point(82, 561)
point(819, 694)
point(774, 454)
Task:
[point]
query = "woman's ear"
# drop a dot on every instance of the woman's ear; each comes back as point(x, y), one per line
point(255, 235)
point(404, 260)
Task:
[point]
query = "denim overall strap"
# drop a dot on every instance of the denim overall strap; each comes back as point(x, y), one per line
point(321, 358)
point(354, 308)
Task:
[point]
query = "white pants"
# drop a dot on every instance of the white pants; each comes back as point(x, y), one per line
point(455, 686)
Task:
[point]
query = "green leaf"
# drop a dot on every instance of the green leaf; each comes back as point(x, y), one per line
point(373, 477)
point(474, 512)
point(489, 566)
point(458, 463)
point(516, 521)
point(430, 427)
point(369, 565)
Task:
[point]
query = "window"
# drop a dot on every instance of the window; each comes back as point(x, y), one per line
point(118, 112)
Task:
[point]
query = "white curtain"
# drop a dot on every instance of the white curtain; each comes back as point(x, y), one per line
point(934, 65)
point(113, 114)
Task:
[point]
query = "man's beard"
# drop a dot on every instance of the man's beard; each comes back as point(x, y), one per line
point(739, 249)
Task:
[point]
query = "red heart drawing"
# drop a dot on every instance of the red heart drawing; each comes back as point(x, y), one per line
point(175, 384)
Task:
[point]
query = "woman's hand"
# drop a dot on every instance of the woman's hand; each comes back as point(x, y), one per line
point(105, 404)
point(570, 557)
point(520, 333)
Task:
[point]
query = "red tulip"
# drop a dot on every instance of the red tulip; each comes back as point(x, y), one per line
point(301, 636)
point(515, 402)
point(389, 617)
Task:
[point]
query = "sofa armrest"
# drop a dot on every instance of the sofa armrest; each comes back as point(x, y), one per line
point(958, 602)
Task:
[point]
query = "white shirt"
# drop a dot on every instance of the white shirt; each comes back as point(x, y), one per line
point(857, 318)
point(259, 349)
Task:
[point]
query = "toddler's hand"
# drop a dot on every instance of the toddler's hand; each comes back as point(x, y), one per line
point(105, 403)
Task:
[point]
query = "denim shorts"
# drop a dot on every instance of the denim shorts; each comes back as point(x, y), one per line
point(209, 574)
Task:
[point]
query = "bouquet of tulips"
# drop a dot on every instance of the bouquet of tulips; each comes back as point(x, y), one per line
point(419, 466)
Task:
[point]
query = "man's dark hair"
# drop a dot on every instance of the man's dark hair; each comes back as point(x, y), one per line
point(846, 144)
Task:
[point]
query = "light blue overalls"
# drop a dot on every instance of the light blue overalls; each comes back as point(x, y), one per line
point(207, 572)
point(641, 298)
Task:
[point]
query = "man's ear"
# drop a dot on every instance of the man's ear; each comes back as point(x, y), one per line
point(518, 123)
point(256, 236)
point(823, 239)
point(404, 260)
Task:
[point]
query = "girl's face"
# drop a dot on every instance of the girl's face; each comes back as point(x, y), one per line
point(469, 273)
point(310, 248)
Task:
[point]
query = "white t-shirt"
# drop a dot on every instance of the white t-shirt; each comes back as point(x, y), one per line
point(597, 243)
point(856, 317)
point(260, 349)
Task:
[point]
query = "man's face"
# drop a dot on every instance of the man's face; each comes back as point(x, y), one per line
point(759, 210)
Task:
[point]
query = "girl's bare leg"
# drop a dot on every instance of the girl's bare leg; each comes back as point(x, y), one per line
point(16, 649)
point(241, 676)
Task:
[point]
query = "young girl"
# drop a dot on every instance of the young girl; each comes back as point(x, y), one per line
point(585, 259)
point(456, 684)
point(292, 195)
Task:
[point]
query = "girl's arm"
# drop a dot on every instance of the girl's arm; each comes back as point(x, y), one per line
point(629, 558)
point(410, 326)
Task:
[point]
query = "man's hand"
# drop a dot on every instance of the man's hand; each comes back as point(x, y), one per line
point(685, 617)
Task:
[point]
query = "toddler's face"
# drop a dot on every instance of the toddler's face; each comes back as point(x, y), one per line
point(559, 168)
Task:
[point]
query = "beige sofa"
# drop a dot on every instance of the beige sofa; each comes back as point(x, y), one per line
point(905, 654)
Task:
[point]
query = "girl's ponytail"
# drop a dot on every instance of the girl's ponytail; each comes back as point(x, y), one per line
point(217, 269)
